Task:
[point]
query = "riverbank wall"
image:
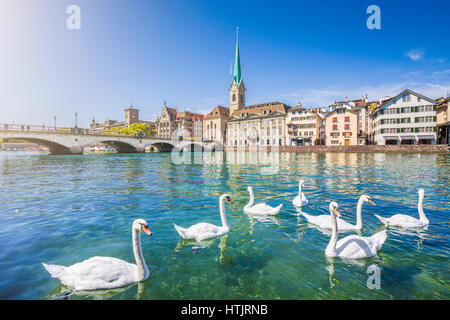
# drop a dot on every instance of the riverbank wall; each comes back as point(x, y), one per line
point(436, 148)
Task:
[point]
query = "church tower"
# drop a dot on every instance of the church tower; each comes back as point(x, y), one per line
point(131, 116)
point(237, 88)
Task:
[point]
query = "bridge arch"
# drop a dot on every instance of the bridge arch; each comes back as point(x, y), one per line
point(189, 147)
point(215, 147)
point(121, 147)
point(160, 147)
point(53, 147)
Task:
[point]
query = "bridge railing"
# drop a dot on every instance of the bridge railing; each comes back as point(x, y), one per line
point(35, 128)
point(65, 130)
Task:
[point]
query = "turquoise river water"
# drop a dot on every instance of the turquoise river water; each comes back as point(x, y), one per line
point(65, 209)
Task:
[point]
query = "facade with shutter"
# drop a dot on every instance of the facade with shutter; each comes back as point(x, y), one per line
point(408, 118)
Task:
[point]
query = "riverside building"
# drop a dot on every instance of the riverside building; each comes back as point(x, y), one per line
point(215, 125)
point(407, 118)
point(189, 126)
point(165, 123)
point(304, 126)
point(258, 125)
point(360, 106)
point(443, 121)
point(341, 126)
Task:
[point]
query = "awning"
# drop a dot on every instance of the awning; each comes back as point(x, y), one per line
point(407, 138)
point(390, 138)
point(426, 137)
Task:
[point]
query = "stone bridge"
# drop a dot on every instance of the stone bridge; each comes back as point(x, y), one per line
point(74, 143)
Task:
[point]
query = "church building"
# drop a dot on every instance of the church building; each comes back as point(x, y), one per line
point(255, 125)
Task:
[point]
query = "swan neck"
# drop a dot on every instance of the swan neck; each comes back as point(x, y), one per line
point(252, 199)
point(359, 214)
point(331, 248)
point(422, 215)
point(143, 272)
point(223, 217)
point(300, 189)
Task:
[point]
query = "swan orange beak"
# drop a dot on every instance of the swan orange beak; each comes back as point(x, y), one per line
point(371, 202)
point(146, 230)
point(337, 212)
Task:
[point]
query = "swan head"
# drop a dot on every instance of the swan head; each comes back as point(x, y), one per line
point(334, 209)
point(249, 189)
point(141, 225)
point(301, 183)
point(368, 199)
point(421, 193)
point(225, 197)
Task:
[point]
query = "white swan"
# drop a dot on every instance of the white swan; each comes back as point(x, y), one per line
point(354, 246)
point(300, 200)
point(203, 230)
point(105, 272)
point(324, 221)
point(260, 208)
point(405, 221)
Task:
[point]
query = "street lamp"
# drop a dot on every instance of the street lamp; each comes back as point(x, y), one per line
point(76, 116)
point(54, 118)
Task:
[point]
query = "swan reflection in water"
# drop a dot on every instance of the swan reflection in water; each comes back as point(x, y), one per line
point(62, 292)
point(421, 233)
point(264, 219)
point(353, 262)
point(204, 244)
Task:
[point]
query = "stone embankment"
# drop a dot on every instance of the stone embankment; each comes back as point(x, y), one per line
point(362, 148)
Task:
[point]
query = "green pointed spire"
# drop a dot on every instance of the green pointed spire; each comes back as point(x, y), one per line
point(237, 76)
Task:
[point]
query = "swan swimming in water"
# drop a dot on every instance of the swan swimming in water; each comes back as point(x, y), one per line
point(405, 221)
point(324, 221)
point(203, 230)
point(300, 200)
point(354, 246)
point(105, 272)
point(260, 208)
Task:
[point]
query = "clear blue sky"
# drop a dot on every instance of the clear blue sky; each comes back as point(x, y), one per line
point(146, 52)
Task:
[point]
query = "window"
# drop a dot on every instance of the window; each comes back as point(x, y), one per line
point(347, 119)
point(234, 97)
point(406, 97)
point(347, 126)
point(335, 119)
point(335, 127)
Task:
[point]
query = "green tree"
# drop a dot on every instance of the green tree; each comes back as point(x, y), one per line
point(373, 107)
point(144, 128)
point(114, 130)
point(134, 129)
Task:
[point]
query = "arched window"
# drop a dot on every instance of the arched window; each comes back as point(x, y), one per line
point(234, 97)
point(241, 98)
